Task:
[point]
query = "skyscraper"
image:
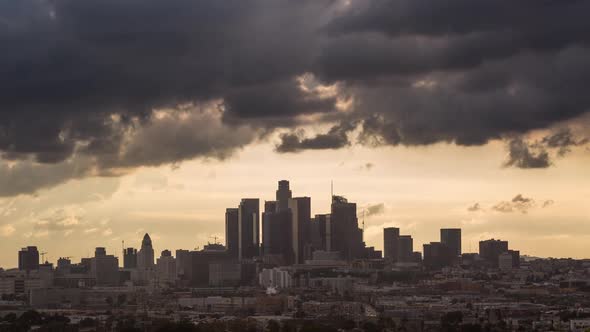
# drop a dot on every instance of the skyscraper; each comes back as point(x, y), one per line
point(130, 258)
point(390, 239)
point(276, 231)
point(145, 256)
point(451, 237)
point(346, 236)
point(283, 195)
point(405, 248)
point(232, 236)
point(300, 225)
point(248, 228)
point(28, 259)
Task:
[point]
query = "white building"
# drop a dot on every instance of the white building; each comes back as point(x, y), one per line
point(275, 277)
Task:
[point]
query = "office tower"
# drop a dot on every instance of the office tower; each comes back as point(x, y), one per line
point(130, 258)
point(248, 228)
point(515, 258)
point(28, 259)
point(232, 232)
point(405, 248)
point(166, 267)
point(346, 236)
point(300, 223)
point(104, 268)
point(490, 250)
point(145, 256)
point(437, 255)
point(183, 260)
point(452, 238)
point(320, 232)
point(283, 195)
point(276, 232)
point(390, 240)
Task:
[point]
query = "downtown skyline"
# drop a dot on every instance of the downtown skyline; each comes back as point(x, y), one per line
point(427, 114)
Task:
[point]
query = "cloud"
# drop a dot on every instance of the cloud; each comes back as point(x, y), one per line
point(518, 204)
point(548, 203)
point(373, 210)
point(82, 98)
point(475, 207)
point(522, 155)
point(335, 138)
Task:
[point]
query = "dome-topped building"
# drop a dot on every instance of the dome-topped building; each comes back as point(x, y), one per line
point(147, 241)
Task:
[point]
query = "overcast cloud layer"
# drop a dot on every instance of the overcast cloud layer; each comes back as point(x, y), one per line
point(99, 87)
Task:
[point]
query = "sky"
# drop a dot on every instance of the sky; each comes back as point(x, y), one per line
point(124, 117)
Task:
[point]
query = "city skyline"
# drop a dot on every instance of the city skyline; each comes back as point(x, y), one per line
point(450, 236)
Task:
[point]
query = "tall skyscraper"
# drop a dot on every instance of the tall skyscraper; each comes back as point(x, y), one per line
point(249, 228)
point(28, 259)
point(346, 236)
point(276, 231)
point(300, 225)
point(283, 195)
point(232, 235)
point(451, 237)
point(320, 232)
point(130, 258)
point(405, 248)
point(390, 240)
point(145, 256)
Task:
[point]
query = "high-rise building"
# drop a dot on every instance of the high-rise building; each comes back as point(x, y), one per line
point(104, 268)
point(405, 248)
point(130, 258)
point(490, 250)
point(451, 237)
point(283, 195)
point(320, 232)
point(390, 240)
point(300, 224)
point(145, 257)
point(346, 237)
point(437, 255)
point(249, 228)
point(232, 236)
point(166, 267)
point(28, 259)
point(276, 232)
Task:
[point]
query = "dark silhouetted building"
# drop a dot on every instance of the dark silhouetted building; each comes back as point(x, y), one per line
point(346, 237)
point(276, 233)
point(130, 258)
point(490, 250)
point(405, 248)
point(300, 226)
point(104, 268)
point(145, 256)
point(28, 259)
point(283, 195)
point(320, 232)
point(232, 232)
point(390, 240)
point(437, 255)
point(452, 238)
point(249, 228)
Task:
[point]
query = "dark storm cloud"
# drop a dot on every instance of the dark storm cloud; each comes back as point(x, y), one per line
point(80, 80)
point(523, 155)
point(335, 138)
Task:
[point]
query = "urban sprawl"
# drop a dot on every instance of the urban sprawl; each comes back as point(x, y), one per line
point(286, 270)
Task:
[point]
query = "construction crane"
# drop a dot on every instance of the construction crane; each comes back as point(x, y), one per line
point(43, 253)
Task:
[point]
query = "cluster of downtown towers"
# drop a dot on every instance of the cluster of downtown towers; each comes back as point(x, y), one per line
point(289, 233)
